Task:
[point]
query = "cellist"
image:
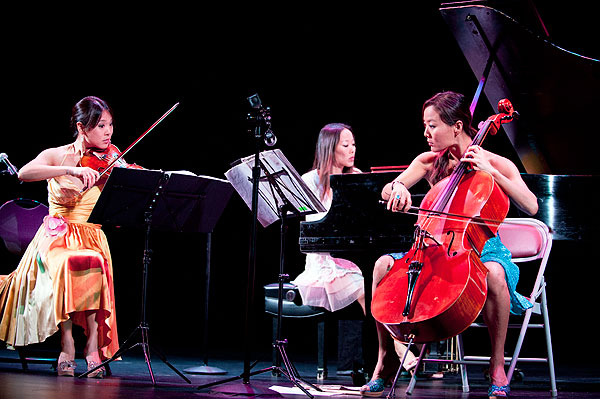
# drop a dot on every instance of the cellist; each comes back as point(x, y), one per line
point(449, 134)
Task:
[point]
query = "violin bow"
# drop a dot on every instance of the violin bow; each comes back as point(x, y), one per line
point(138, 139)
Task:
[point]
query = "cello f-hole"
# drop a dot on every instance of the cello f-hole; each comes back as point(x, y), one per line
point(450, 245)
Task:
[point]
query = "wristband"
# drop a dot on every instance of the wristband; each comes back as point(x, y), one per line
point(397, 181)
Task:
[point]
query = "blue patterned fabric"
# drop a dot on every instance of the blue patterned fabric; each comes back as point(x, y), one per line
point(397, 255)
point(495, 251)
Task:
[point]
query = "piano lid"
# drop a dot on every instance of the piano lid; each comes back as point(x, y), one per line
point(564, 205)
point(553, 89)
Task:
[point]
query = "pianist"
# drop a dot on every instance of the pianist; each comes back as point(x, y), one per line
point(329, 282)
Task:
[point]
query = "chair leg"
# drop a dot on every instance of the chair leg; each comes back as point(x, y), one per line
point(23, 359)
point(463, 367)
point(321, 351)
point(544, 309)
point(519, 345)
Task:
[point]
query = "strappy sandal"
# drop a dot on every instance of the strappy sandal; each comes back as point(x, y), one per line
point(373, 388)
point(98, 373)
point(66, 368)
point(498, 392)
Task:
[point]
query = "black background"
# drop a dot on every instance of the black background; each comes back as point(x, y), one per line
point(369, 66)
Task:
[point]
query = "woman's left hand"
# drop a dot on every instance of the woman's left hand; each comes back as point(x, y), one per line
point(478, 158)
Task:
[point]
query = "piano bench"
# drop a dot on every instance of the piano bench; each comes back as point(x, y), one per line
point(292, 308)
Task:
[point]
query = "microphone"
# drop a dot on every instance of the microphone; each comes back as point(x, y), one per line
point(265, 116)
point(9, 166)
point(270, 138)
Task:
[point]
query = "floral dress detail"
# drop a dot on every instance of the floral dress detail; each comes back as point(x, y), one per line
point(65, 271)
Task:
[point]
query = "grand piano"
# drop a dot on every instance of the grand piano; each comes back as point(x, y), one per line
point(554, 91)
point(547, 85)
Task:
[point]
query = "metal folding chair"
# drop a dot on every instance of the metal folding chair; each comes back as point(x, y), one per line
point(528, 240)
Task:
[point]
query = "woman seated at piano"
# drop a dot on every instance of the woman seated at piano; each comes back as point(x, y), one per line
point(329, 282)
point(448, 131)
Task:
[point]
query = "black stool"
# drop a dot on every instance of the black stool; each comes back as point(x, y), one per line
point(294, 309)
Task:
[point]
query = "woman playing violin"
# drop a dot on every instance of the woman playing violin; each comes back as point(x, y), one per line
point(449, 133)
point(65, 276)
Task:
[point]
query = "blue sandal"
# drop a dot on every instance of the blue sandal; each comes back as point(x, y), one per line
point(498, 392)
point(373, 388)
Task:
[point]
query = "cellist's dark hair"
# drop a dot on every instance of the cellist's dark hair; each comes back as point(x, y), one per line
point(452, 107)
point(88, 111)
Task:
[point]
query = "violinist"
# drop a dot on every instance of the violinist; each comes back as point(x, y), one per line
point(449, 133)
point(65, 277)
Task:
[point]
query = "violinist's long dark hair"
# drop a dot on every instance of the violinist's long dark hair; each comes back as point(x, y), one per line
point(88, 111)
point(452, 107)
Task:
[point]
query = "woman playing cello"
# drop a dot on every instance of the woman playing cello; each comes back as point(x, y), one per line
point(448, 131)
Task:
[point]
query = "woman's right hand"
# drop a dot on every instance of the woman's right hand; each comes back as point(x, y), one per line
point(88, 176)
point(400, 199)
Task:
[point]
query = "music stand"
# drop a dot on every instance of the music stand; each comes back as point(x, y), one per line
point(158, 200)
point(281, 193)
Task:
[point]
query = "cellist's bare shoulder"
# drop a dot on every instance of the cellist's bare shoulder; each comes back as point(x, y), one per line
point(425, 160)
point(418, 168)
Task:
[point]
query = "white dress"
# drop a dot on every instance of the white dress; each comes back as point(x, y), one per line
point(327, 282)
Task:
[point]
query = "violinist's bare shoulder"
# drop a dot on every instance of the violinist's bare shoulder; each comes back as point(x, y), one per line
point(50, 162)
point(51, 156)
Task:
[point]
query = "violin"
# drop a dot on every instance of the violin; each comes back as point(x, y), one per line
point(439, 287)
point(104, 160)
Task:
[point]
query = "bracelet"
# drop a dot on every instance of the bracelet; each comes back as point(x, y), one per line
point(397, 181)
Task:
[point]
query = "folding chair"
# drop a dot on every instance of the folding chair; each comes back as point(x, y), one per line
point(528, 240)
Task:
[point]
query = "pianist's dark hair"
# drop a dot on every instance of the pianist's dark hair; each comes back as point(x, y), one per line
point(88, 111)
point(452, 107)
point(329, 137)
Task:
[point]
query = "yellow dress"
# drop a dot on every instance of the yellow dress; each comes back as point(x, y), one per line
point(65, 271)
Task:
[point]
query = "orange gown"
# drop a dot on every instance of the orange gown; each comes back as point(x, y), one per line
point(65, 271)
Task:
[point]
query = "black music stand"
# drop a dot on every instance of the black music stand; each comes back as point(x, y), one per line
point(279, 192)
point(164, 201)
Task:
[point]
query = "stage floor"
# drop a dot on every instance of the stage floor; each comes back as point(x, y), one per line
point(131, 379)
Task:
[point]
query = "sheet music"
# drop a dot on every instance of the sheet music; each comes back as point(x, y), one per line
point(275, 168)
point(188, 173)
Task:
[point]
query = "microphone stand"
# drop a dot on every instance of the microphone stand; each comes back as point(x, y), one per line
point(290, 371)
point(252, 254)
point(247, 373)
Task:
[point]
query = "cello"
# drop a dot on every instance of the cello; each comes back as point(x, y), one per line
point(439, 287)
